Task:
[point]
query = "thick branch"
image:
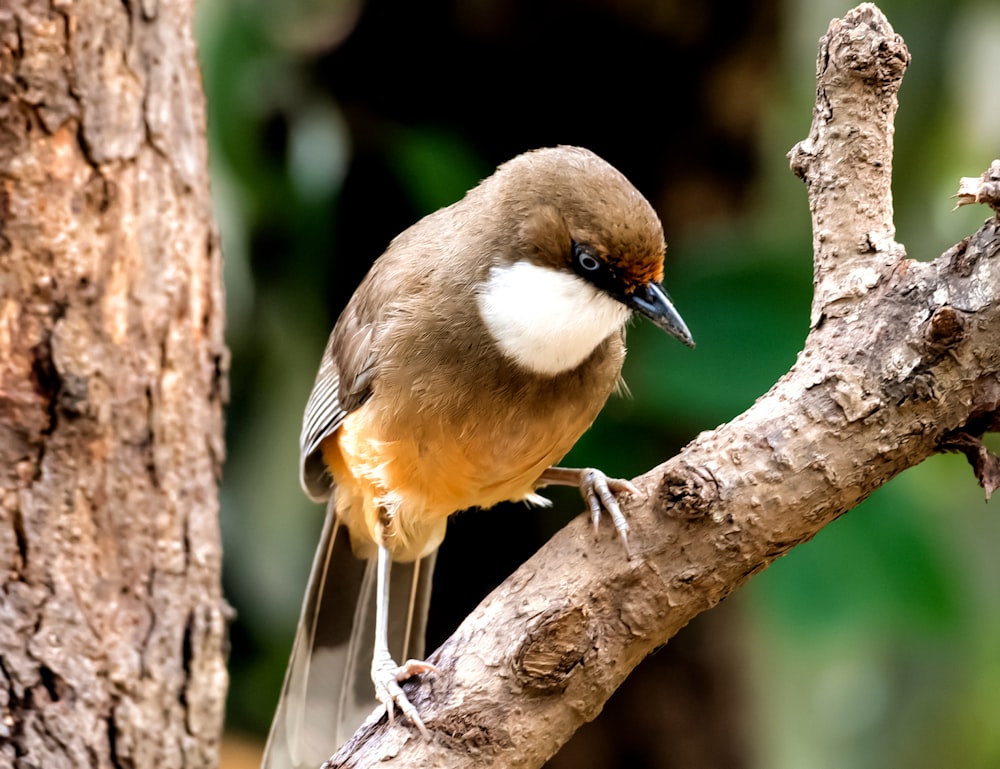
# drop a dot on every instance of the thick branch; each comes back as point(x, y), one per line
point(901, 355)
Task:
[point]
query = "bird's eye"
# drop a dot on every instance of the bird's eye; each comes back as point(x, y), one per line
point(587, 261)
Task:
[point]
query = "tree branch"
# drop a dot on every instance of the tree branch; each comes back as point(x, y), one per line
point(901, 357)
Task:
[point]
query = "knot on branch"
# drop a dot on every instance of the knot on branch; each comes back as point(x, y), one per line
point(686, 492)
point(945, 329)
point(553, 648)
point(864, 45)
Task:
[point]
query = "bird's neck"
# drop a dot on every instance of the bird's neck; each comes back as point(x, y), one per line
point(547, 321)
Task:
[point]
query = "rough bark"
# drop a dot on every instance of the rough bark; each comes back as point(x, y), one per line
point(112, 376)
point(901, 359)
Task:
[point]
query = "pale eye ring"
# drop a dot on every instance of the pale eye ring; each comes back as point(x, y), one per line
point(587, 261)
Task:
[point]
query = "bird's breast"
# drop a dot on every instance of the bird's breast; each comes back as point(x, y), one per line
point(464, 435)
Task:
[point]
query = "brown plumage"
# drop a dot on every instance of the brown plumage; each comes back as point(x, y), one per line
point(480, 346)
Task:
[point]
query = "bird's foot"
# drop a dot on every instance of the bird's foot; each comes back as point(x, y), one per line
point(599, 491)
point(387, 677)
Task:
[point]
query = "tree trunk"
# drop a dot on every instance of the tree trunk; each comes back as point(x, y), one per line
point(112, 378)
point(901, 361)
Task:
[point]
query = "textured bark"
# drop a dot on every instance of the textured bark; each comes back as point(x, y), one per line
point(901, 357)
point(112, 377)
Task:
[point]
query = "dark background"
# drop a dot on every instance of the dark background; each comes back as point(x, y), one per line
point(335, 125)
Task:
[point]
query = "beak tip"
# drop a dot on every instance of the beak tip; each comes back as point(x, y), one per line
point(685, 338)
point(654, 303)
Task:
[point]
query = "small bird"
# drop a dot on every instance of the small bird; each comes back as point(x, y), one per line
point(474, 354)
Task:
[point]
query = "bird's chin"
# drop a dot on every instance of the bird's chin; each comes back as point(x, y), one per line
point(545, 320)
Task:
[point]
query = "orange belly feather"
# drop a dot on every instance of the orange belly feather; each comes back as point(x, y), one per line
point(397, 481)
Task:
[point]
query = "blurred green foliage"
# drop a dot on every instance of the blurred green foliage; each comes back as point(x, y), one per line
point(874, 645)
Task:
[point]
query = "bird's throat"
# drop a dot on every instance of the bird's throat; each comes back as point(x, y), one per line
point(546, 320)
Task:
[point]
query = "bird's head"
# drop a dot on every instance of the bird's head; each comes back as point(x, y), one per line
point(588, 250)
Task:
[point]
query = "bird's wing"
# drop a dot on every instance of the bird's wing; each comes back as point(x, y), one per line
point(343, 383)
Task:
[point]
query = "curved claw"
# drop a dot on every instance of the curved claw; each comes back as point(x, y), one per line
point(599, 492)
point(387, 677)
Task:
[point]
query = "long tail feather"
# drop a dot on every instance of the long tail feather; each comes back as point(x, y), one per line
point(328, 690)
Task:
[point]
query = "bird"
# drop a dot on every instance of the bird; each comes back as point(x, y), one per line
point(476, 351)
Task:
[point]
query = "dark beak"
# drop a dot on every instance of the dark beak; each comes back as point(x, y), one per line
point(652, 301)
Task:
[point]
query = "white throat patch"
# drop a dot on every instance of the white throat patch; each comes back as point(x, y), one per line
point(546, 320)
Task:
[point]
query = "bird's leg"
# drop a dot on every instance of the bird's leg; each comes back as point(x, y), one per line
point(598, 491)
point(386, 674)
